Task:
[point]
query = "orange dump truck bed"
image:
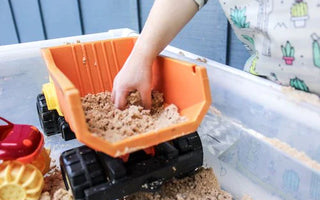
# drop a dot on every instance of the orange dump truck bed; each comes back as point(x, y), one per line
point(79, 69)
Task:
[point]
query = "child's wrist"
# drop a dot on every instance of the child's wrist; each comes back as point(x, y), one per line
point(144, 55)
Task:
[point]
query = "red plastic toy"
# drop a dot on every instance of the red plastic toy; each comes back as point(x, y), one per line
point(25, 161)
point(19, 142)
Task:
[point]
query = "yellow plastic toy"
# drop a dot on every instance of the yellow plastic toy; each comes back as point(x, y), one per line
point(25, 161)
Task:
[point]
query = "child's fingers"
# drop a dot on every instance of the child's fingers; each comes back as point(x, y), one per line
point(113, 95)
point(120, 97)
point(146, 98)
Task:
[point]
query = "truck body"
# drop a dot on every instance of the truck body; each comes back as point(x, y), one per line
point(76, 70)
point(111, 170)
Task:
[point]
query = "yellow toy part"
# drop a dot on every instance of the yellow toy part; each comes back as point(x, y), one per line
point(42, 162)
point(51, 97)
point(20, 181)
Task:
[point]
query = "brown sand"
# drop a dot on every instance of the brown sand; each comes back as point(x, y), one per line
point(204, 60)
point(284, 147)
point(112, 124)
point(246, 197)
point(201, 186)
point(301, 96)
point(54, 188)
point(299, 155)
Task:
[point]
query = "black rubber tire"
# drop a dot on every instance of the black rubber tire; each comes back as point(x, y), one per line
point(83, 170)
point(65, 130)
point(187, 143)
point(114, 166)
point(48, 118)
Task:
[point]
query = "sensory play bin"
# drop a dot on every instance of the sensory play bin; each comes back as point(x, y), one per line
point(254, 140)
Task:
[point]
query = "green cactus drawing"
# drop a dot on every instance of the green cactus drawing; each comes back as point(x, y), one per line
point(299, 9)
point(287, 50)
point(251, 45)
point(299, 13)
point(239, 18)
point(250, 39)
point(316, 49)
point(290, 181)
point(299, 84)
point(288, 53)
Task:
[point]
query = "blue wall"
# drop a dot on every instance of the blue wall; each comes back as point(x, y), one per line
point(208, 34)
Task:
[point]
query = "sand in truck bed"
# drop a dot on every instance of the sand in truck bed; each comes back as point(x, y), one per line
point(112, 124)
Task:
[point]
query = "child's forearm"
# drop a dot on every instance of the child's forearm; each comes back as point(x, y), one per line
point(165, 20)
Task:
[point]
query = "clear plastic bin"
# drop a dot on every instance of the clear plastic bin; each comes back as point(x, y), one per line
point(246, 114)
point(251, 108)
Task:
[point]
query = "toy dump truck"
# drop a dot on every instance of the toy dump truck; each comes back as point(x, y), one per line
point(96, 171)
point(24, 161)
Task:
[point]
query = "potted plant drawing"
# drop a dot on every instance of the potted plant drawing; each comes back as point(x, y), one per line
point(299, 13)
point(239, 18)
point(316, 49)
point(288, 53)
point(299, 84)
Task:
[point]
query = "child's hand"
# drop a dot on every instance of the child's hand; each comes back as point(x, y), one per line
point(136, 74)
point(165, 20)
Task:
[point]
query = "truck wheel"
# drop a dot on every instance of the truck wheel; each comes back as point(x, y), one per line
point(189, 143)
point(48, 118)
point(81, 169)
point(64, 129)
point(20, 181)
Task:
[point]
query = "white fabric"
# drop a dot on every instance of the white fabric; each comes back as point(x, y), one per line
point(283, 37)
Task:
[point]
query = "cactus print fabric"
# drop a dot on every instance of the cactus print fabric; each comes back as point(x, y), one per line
point(283, 37)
